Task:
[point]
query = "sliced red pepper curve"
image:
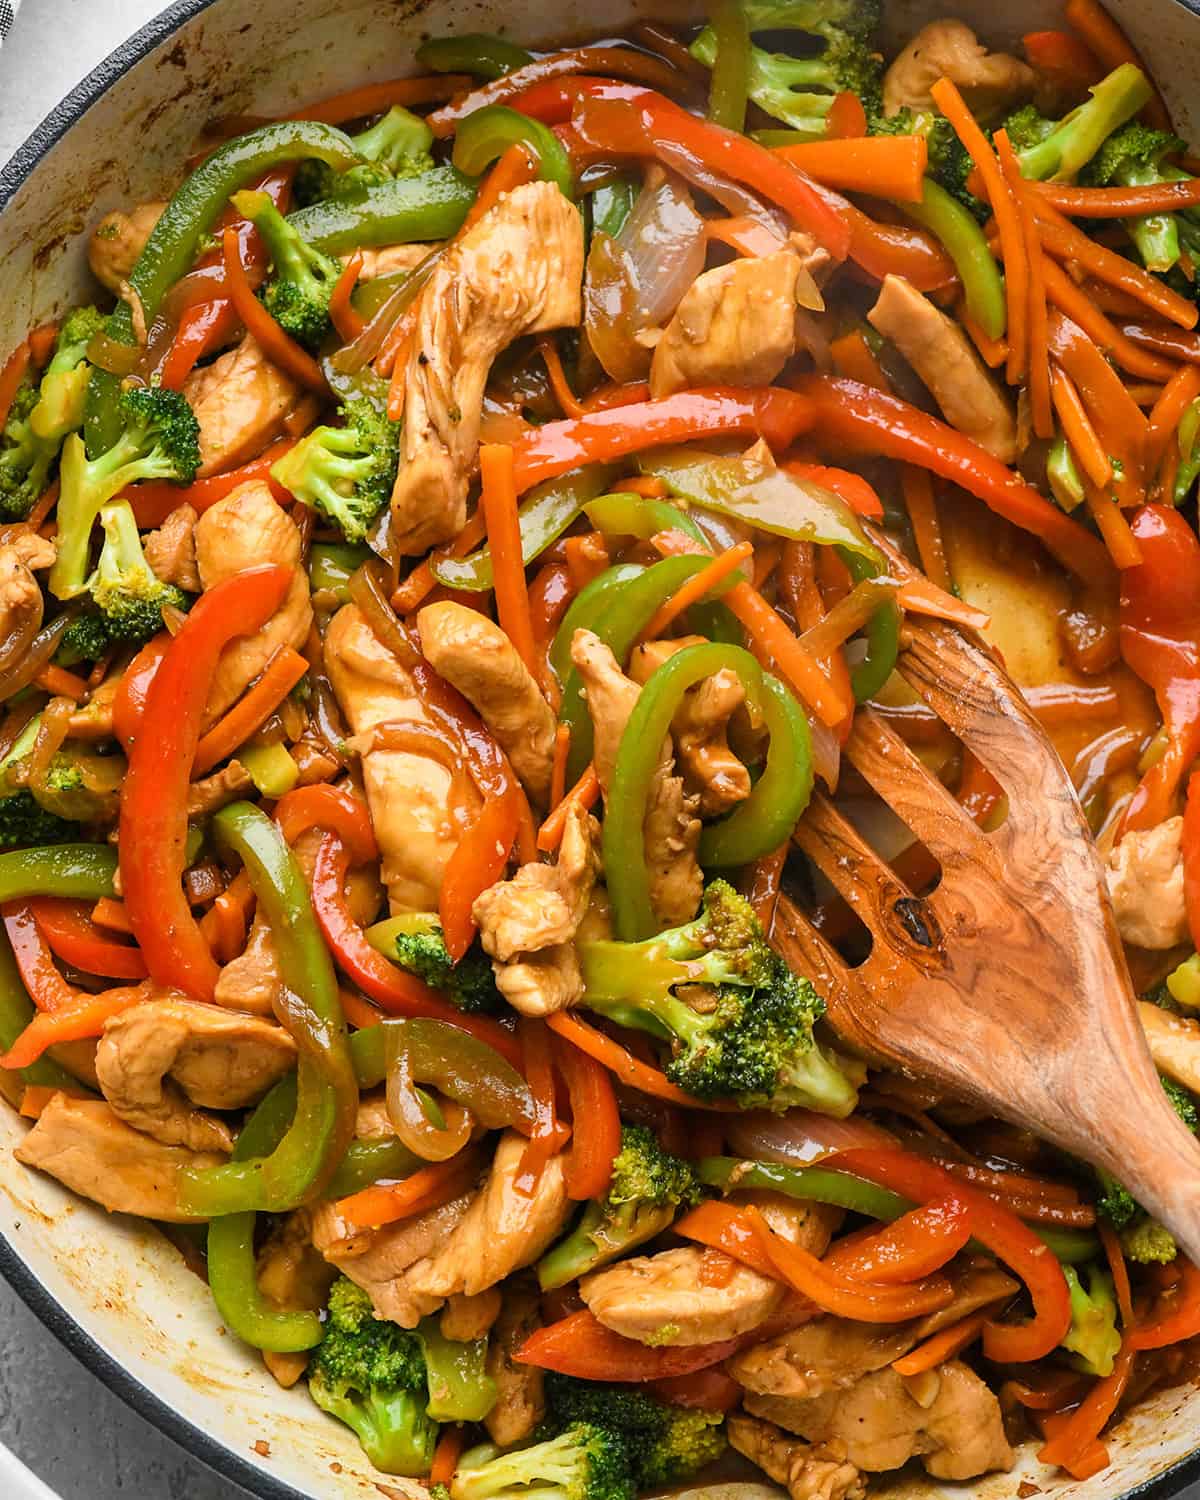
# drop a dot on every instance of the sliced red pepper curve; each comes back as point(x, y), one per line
point(153, 825)
point(580, 1345)
point(68, 928)
point(1003, 1234)
point(860, 417)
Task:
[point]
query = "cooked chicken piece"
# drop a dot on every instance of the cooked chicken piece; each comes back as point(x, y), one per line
point(91, 1150)
point(502, 1230)
point(477, 658)
point(378, 1259)
point(373, 1123)
point(518, 270)
point(94, 721)
point(520, 1389)
point(540, 984)
point(240, 401)
point(118, 240)
point(1145, 884)
point(671, 828)
point(948, 365)
point(465, 1319)
point(1174, 1043)
point(808, 1471)
point(159, 1059)
point(211, 793)
point(171, 550)
point(21, 601)
point(295, 1277)
point(955, 1428)
point(990, 82)
point(662, 1300)
point(385, 260)
point(542, 904)
point(735, 325)
point(418, 805)
point(710, 769)
point(247, 530)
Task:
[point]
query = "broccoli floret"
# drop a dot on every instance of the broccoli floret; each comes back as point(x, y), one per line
point(23, 821)
point(648, 1188)
point(949, 163)
point(397, 145)
point(460, 1389)
point(421, 948)
point(86, 638)
point(584, 1462)
point(800, 90)
point(345, 473)
point(128, 593)
point(1092, 1336)
point(666, 1444)
point(1182, 1103)
point(370, 1374)
point(302, 279)
point(160, 440)
point(1135, 157)
point(741, 1029)
point(1056, 149)
point(1147, 1242)
point(1114, 1202)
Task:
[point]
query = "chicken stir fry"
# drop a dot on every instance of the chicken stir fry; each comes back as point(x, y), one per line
point(426, 627)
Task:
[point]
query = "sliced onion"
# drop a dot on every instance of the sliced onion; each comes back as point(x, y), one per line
point(41, 649)
point(367, 589)
point(366, 346)
point(609, 316)
point(414, 1127)
point(826, 753)
point(801, 1136)
point(736, 200)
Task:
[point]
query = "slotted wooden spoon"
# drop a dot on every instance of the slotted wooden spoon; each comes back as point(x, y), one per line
point(1007, 984)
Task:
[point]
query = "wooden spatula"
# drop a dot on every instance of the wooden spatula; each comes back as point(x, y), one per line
point(1007, 984)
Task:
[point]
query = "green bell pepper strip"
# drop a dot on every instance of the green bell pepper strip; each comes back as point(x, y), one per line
point(270, 767)
point(965, 243)
point(327, 1091)
point(429, 207)
point(882, 635)
point(232, 1267)
point(487, 133)
point(369, 296)
point(618, 626)
point(461, 1066)
point(16, 1012)
point(759, 824)
point(474, 52)
point(585, 609)
point(844, 1190)
point(367, 1162)
point(331, 566)
point(611, 204)
point(544, 515)
point(728, 90)
point(84, 872)
point(624, 513)
point(176, 239)
point(716, 622)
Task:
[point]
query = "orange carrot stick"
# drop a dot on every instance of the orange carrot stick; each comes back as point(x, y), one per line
point(1078, 430)
point(1072, 300)
point(568, 402)
point(794, 661)
point(695, 588)
point(917, 487)
point(513, 169)
point(344, 316)
point(429, 1187)
point(885, 166)
point(558, 773)
point(62, 684)
point(629, 1069)
point(420, 583)
point(582, 794)
point(279, 348)
point(942, 1346)
point(747, 236)
point(1110, 520)
point(1041, 413)
point(993, 352)
point(1177, 395)
point(1119, 202)
point(498, 501)
point(282, 673)
point(378, 98)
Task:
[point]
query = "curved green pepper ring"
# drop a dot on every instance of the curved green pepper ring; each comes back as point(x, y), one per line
point(585, 609)
point(83, 872)
point(544, 515)
point(367, 1162)
point(431, 206)
point(175, 240)
point(882, 634)
point(624, 513)
point(232, 1266)
point(487, 134)
point(761, 823)
point(474, 52)
point(459, 1065)
point(716, 622)
point(966, 244)
point(631, 609)
point(326, 1090)
point(331, 565)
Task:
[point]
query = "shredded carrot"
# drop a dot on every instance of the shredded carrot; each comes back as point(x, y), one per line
point(617, 1059)
point(43, 506)
point(513, 169)
point(1177, 395)
point(62, 684)
point(917, 487)
point(1120, 202)
point(1112, 47)
point(1069, 298)
point(943, 1345)
point(279, 348)
point(1008, 221)
point(748, 237)
point(498, 501)
point(280, 676)
point(41, 343)
point(795, 662)
point(922, 596)
point(886, 166)
point(558, 773)
point(695, 588)
point(568, 402)
point(445, 1455)
point(429, 1187)
point(420, 583)
point(1041, 414)
point(854, 358)
point(344, 316)
point(11, 377)
point(224, 924)
point(111, 914)
point(993, 352)
point(1118, 1270)
point(378, 98)
point(1144, 392)
point(396, 350)
point(1110, 521)
point(583, 794)
point(1072, 1438)
point(649, 486)
point(1078, 430)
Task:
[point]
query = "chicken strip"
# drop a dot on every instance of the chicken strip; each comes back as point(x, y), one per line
point(1145, 885)
point(246, 530)
point(92, 1151)
point(1174, 1043)
point(162, 1063)
point(240, 401)
point(21, 599)
point(992, 83)
point(520, 1389)
point(808, 1471)
point(947, 363)
point(293, 1276)
point(477, 658)
point(672, 829)
point(171, 550)
point(386, 260)
point(465, 1319)
point(735, 325)
point(419, 806)
point(118, 240)
point(518, 270)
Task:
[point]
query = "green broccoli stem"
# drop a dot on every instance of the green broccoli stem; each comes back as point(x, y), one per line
point(398, 137)
point(460, 1389)
point(1077, 138)
point(601, 1235)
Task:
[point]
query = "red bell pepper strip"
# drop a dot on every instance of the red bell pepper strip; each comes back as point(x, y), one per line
point(595, 1122)
point(1064, 61)
point(129, 704)
point(1003, 1234)
point(153, 501)
point(201, 328)
point(544, 452)
point(580, 1345)
point(916, 1244)
point(11, 377)
point(72, 935)
point(845, 484)
point(1160, 640)
point(869, 420)
point(331, 808)
point(48, 990)
point(153, 825)
point(722, 1226)
point(1191, 857)
point(546, 1136)
point(1181, 1315)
